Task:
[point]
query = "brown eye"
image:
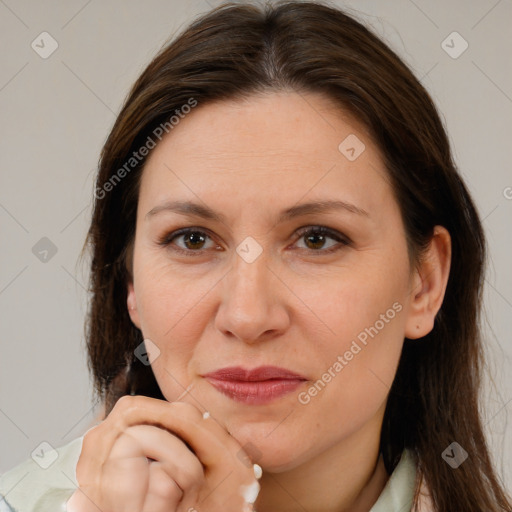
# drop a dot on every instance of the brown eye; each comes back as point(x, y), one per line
point(194, 240)
point(315, 239)
point(188, 241)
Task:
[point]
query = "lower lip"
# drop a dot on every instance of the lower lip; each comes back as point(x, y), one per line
point(255, 393)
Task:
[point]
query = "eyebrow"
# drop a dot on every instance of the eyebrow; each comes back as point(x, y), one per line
point(198, 210)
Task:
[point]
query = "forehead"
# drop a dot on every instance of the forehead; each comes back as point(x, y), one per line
point(284, 145)
point(277, 122)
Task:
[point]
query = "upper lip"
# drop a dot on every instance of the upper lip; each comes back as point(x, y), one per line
point(261, 373)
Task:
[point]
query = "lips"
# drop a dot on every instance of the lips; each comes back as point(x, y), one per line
point(255, 386)
point(261, 373)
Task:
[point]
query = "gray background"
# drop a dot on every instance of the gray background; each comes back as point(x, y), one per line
point(56, 113)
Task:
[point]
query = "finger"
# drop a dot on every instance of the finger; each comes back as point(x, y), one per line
point(212, 444)
point(164, 493)
point(173, 456)
point(123, 484)
point(216, 449)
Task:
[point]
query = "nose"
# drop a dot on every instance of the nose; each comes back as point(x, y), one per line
point(253, 305)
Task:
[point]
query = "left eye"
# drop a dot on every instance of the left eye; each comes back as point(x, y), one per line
point(314, 237)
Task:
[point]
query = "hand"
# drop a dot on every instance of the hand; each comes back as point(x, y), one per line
point(151, 455)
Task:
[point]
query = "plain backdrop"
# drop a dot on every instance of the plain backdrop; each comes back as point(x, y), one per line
point(57, 110)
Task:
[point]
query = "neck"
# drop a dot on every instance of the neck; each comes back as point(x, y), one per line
point(347, 477)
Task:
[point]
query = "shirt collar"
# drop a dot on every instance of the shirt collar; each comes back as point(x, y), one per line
point(398, 493)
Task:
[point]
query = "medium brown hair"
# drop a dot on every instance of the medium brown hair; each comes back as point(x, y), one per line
point(235, 51)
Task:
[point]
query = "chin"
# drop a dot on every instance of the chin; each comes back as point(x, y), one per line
point(273, 453)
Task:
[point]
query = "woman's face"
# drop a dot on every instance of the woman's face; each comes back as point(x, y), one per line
point(259, 286)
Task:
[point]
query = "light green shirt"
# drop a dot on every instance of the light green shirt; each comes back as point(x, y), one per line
point(28, 487)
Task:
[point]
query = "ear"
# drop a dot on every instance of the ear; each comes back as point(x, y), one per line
point(429, 285)
point(131, 303)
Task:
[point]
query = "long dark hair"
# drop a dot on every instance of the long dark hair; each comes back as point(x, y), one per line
point(238, 50)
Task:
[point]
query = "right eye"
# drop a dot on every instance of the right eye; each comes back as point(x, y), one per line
point(193, 241)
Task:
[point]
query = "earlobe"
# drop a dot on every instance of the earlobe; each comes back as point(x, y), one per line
point(430, 280)
point(131, 304)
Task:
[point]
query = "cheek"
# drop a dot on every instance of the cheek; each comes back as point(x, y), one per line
point(173, 308)
point(358, 356)
point(168, 314)
point(355, 374)
point(355, 305)
point(165, 294)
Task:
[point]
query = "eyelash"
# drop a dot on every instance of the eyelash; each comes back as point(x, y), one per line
point(167, 239)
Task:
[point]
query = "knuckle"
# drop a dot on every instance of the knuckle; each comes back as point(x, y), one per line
point(126, 405)
point(92, 432)
point(163, 486)
point(89, 441)
point(125, 402)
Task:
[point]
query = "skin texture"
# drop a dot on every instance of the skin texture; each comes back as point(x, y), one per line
point(296, 305)
point(132, 463)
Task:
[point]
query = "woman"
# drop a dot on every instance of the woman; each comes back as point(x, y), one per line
point(287, 273)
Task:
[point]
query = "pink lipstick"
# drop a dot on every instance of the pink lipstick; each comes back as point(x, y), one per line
point(258, 386)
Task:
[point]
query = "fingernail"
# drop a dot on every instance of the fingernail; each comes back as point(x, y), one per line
point(257, 471)
point(250, 492)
